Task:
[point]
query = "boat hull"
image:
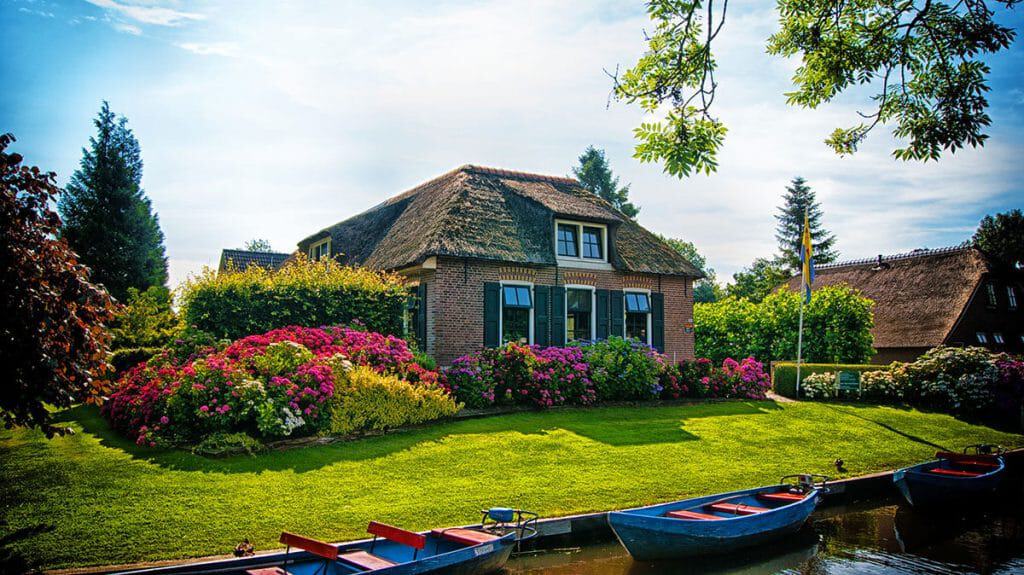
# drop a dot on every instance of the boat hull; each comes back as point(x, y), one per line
point(649, 536)
point(922, 489)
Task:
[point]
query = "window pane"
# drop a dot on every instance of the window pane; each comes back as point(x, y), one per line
point(577, 325)
point(516, 296)
point(997, 337)
point(592, 245)
point(510, 296)
point(981, 337)
point(515, 324)
point(991, 289)
point(637, 302)
point(631, 302)
point(567, 240)
point(524, 296)
point(1011, 295)
point(578, 300)
point(636, 326)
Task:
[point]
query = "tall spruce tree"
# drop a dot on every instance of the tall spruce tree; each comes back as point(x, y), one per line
point(108, 220)
point(789, 230)
point(594, 174)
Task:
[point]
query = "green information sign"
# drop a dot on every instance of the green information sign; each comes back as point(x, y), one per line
point(849, 381)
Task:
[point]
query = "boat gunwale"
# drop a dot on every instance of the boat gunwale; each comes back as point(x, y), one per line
point(812, 496)
point(918, 470)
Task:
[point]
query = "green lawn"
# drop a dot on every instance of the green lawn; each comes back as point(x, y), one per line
point(94, 498)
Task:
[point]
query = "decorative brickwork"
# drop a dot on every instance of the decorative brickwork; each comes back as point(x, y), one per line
point(514, 273)
point(579, 278)
point(638, 282)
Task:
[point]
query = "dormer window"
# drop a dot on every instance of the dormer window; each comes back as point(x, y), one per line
point(320, 250)
point(581, 242)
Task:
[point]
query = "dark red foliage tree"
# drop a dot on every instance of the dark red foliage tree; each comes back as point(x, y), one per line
point(53, 342)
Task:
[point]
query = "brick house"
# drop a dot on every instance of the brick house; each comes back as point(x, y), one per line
point(493, 256)
point(949, 296)
point(240, 260)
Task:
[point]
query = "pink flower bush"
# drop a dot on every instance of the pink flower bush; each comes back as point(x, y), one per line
point(269, 385)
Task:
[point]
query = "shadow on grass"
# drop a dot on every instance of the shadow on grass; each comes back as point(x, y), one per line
point(916, 439)
point(12, 560)
point(612, 426)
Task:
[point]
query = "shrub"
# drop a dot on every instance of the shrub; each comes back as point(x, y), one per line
point(146, 321)
point(560, 376)
point(959, 380)
point(821, 385)
point(694, 377)
point(126, 358)
point(784, 373)
point(368, 400)
point(470, 381)
point(227, 444)
point(745, 379)
point(839, 317)
point(1009, 393)
point(884, 385)
point(624, 369)
point(303, 292)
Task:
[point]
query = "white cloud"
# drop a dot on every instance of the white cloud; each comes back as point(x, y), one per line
point(148, 14)
point(127, 28)
point(229, 49)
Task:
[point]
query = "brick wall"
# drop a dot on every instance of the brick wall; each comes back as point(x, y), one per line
point(455, 296)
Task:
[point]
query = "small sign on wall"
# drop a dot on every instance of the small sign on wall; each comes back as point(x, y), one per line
point(848, 382)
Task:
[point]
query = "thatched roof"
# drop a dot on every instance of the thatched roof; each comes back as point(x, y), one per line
point(238, 260)
point(491, 214)
point(919, 296)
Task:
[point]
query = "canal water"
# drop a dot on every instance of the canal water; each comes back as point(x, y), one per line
point(881, 538)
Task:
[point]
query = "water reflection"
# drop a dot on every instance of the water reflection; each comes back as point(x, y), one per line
point(883, 538)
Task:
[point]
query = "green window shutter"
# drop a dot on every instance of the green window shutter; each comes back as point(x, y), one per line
point(603, 319)
point(421, 316)
point(658, 321)
point(616, 308)
point(558, 316)
point(492, 312)
point(541, 317)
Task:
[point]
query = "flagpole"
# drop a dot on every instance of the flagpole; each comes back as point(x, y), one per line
point(800, 333)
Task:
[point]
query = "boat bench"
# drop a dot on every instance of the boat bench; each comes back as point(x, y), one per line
point(368, 561)
point(686, 514)
point(954, 472)
point(782, 497)
point(737, 508)
point(325, 550)
point(981, 460)
point(464, 536)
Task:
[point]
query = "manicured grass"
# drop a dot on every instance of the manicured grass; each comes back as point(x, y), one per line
point(94, 498)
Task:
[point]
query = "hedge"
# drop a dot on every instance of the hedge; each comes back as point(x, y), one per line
point(365, 400)
point(239, 303)
point(784, 373)
point(128, 357)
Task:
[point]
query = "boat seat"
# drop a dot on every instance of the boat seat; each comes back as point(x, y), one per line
point(464, 536)
point(981, 460)
point(684, 514)
point(737, 508)
point(953, 472)
point(365, 561)
point(267, 571)
point(782, 496)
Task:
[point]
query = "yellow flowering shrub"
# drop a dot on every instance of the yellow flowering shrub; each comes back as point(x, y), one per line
point(365, 400)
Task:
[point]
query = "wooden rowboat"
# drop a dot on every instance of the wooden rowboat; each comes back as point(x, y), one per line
point(392, 551)
point(952, 478)
point(716, 523)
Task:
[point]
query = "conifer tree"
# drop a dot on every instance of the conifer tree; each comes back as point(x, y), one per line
point(108, 220)
point(595, 174)
point(789, 230)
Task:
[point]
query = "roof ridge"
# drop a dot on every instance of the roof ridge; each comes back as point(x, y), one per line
point(919, 252)
point(529, 176)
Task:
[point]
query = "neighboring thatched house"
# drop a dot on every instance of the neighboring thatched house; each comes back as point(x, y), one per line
point(239, 260)
point(925, 298)
point(494, 256)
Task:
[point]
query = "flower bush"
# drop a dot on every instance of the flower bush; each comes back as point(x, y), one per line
point(623, 369)
point(744, 379)
point(270, 386)
point(819, 386)
point(959, 380)
point(884, 385)
point(366, 400)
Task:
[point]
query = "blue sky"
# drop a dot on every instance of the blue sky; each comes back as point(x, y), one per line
point(273, 120)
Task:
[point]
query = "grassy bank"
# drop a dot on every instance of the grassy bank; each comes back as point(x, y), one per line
point(94, 498)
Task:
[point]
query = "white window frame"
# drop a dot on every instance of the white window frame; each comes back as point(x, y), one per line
point(650, 312)
point(1011, 296)
point(990, 295)
point(579, 259)
point(501, 309)
point(981, 337)
point(997, 337)
point(593, 309)
point(313, 246)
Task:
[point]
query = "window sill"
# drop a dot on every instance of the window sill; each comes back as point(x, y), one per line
point(584, 264)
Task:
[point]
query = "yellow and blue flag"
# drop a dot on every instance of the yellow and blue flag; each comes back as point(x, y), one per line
point(807, 260)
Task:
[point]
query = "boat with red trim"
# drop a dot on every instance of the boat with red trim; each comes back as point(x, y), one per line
point(717, 523)
point(953, 478)
point(472, 550)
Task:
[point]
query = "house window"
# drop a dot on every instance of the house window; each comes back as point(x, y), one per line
point(991, 290)
point(579, 311)
point(320, 250)
point(638, 316)
point(581, 242)
point(997, 337)
point(982, 338)
point(567, 240)
point(516, 312)
point(593, 244)
point(1011, 295)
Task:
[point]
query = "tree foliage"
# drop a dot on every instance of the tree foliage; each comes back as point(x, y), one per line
point(704, 290)
point(108, 220)
point(757, 281)
point(53, 343)
point(924, 60)
point(789, 230)
point(258, 245)
point(1002, 238)
point(147, 320)
point(837, 327)
point(594, 174)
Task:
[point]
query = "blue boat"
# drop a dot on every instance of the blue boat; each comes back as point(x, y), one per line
point(392, 551)
point(716, 523)
point(952, 479)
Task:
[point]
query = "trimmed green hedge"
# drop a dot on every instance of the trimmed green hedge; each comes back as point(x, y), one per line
point(235, 304)
point(784, 373)
point(128, 357)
